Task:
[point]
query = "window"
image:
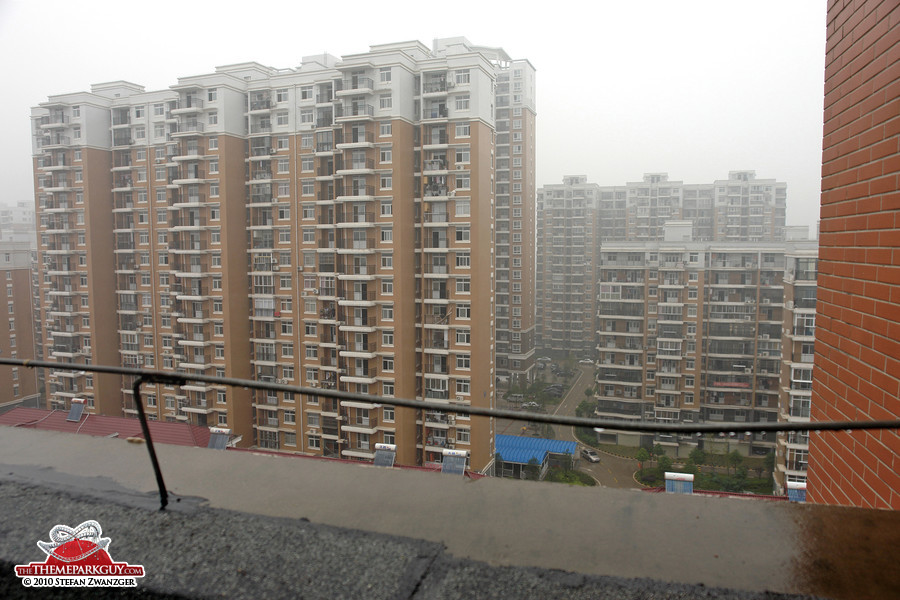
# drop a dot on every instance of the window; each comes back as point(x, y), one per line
point(387, 312)
point(463, 361)
point(307, 116)
point(306, 92)
point(214, 166)
point(386, 208)
point(463, 386)
point(385, 74)
point(284, 189)
point(387, 363)
point(462, 102)
point(159, 109)
point(387, 337)
point(462, 130)
point(387, 234)
point(213, 143)
point(463, 181)
point(214, 190)
point(463, 260)
point(387, 260)
point(463, 233)
point(283, 142)
point(385, 101)
point(463, 285)
point(213, 118)
point(462, 76)
point(212, 94)
point(290, 417)
point(308, 187)
point(384, 129)
point(281, 95)
point(463, 311)
point(462, 208)
point(386, 154)
point(387, 286)
point(307, 164)
point(462, 154)
point(76, 111)
point(386, 182)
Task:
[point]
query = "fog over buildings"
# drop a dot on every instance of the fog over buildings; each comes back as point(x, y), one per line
point(693, 89)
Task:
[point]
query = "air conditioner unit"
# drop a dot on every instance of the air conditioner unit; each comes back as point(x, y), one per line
point(451, 441)
point(747, 317)
point(748, 371)
point(460, 167)
point(790, 304)
point(451, 420)
point(764, 336)
point(275, 267)
point(451, 84)
point(451, 446)
point(766, 301)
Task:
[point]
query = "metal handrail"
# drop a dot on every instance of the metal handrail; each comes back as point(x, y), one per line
point(171, 378)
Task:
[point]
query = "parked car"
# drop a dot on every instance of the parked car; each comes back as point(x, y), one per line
point(555, 392)
point(530, 405)
point(545, 359)
point(590, 454)
point(585, 361)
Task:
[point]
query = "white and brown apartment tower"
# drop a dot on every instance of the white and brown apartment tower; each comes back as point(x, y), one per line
point(327, 226)
point(798, 348)
point(692, 332)
point(566, 255)
point(18, 340)
point(740, 208)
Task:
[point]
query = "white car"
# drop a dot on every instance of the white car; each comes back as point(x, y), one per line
point(585, 361)
point(590, 455)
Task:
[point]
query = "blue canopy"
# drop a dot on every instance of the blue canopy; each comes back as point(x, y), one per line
point(520, 449)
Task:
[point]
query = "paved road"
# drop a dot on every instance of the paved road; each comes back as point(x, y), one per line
point(611, 471)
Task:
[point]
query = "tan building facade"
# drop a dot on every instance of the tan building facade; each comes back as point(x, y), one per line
point(326, 226)
point(20, 384)
point(692, 332)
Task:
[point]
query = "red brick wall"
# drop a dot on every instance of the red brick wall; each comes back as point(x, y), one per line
point(857, 364)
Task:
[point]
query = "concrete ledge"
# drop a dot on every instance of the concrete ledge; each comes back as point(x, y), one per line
point(237, 506)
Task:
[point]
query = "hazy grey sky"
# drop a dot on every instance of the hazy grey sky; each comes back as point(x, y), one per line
point(691, 88)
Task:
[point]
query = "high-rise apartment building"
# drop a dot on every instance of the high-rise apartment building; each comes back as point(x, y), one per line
point(18, 340)
point(692, 332)
point(857, 374)
point(566, 255)
point(797, 353)
point(329, 226)
point(740, 208)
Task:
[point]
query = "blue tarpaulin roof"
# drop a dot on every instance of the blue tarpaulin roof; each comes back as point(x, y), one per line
point(520, 449)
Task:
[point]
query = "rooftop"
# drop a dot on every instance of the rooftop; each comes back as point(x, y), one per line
point(245, 524)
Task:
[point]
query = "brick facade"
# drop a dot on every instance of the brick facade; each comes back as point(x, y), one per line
point(857, 374)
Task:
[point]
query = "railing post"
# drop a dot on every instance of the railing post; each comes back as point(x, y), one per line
point(163, 494)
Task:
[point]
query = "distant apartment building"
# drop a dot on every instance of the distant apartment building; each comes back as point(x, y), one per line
point(857, 374)
point(740, 208)
point(797, 353)
point(692, 332)
point(17, 223)
point(566, 255)
point(18, 339)
point(342, 225)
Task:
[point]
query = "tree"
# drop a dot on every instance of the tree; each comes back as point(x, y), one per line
point(664, 463)
point(533, 469)
point(697, 456)
point(769, 462)
point(735, 459)
point(641, 456)
point(588, 393)
point(658, 451)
